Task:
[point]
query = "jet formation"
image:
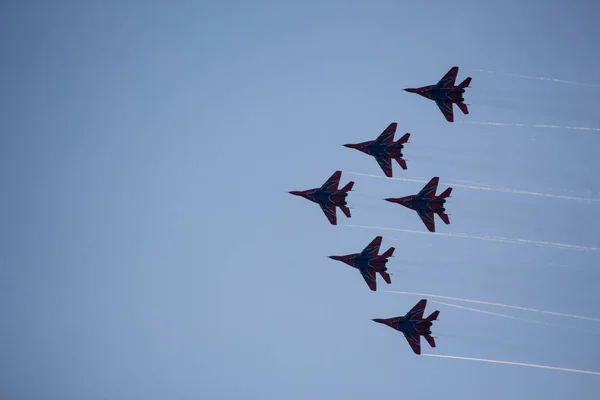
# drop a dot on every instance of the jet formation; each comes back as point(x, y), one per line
point(425, 203)
point(329, 197)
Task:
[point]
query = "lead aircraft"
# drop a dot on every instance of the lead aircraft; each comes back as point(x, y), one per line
point(329, 197)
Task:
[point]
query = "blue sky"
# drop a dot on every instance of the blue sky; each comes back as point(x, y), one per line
point(150, 248)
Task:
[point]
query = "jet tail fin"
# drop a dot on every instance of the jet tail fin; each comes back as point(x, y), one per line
point(446, 193)
point(465, 83)
point(348, 187)
point(444, 217)
point(389, 252)
point(401, 162)
point(404, 139)
point(386, 277)
point(430, 340)
point(463, 107)
point(346, 210)
point(433, 316)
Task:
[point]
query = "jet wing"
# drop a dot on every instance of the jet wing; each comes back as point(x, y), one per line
point(446, 109)
point(428, 190)
point(372, 248)
point(387, 136)
point(414, 340)
point(449, 79)
point(427, 218)
point(370, 278)
point(417, 311)
point(332, 183)
point(386, 165)
point(329, 210)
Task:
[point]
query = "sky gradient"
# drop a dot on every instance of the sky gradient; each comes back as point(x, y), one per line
point(150, 248)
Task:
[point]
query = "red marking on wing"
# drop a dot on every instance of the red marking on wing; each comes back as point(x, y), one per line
point(418, 309)
point(431, 187)
point(390, 129)
point(329, 211)
point(414, 340)
point(333, 181)
point(373, 247)
point(371, 280)
point(386, 165)
point(427, 218)
point(450, 78)
point(446, 109)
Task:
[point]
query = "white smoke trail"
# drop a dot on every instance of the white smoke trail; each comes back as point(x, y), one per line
point(493, 313)
point(497, 305)
point(488, 188)
point(577, 128)
point(539, 78)
point(487, 238)
point(533, 321)
point(580, 371)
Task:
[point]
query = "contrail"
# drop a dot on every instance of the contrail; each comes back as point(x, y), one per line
point(494, 314)
point(533, 321)
point(497, 305)
point(488, 238)
point(577, 128)
point(580, 371)
point(488, 188)
point(540, 78)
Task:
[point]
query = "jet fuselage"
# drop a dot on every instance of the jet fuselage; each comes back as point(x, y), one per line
point(363, 262)
point(453, 94)
point(369, 262)
point(327, 197)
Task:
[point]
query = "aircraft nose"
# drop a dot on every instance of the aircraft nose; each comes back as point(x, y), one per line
point(377, 320)
point(390, 200)
point(294, 192)
point(348, 145)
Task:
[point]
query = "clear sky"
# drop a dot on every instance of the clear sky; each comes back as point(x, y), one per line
point(149, 247)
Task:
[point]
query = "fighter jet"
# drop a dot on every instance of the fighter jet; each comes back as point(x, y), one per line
point(413, 326)
point(384, 149)
point(368, 262)
point(444, 93)
point(425, 203)
point(328, 196)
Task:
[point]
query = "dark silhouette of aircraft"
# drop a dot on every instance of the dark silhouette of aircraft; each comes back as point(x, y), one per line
point(426, 203)
point(413, 326)
point(329, 197)
point(444, 93)
point(368, 262)
point(384, 149)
